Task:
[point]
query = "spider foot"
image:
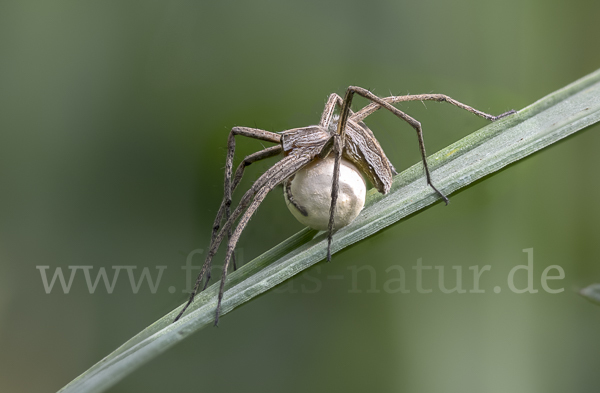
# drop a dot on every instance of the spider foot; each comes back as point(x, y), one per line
point(500, 116)
point(444, 197)
point(329, 240)
point(184, 308)
point(207, 280)
point(217, 314)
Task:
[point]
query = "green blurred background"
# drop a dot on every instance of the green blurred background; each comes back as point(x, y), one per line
point(114, 118)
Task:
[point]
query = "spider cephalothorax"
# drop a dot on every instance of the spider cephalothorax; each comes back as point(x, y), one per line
point(336, 136)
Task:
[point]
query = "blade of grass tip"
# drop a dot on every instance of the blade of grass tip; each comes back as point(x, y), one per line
point(591, 293)
point(485, 151)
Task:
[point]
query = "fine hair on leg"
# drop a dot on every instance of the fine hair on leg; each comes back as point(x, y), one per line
point(216, 241)
point(229, 187)
point(372, 107)
point(341, 131)
point(377, 103)
point(277, 173)
point(414, 123)
point(239, 172)
point(332, 102)
point(287, 171)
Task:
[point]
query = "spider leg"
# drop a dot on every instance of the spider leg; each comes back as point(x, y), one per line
point(228, 186)
point(338, 148)
point(242, 204)
point(326, 119)
point(327, 115)
point(372, 107)
point(381, 102)
point(338, 142)
point(239, 172)
point(275, 172)
point(286, 171)
point(254, 157)
point(228, 189)
point(386, 103)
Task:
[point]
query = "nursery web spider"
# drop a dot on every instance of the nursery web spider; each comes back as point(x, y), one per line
point(344, 135)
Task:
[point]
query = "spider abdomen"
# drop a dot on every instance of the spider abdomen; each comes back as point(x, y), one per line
point(308, 193)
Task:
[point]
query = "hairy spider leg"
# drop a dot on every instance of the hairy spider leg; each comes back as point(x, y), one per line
point(228, 186)
point(239, 173)
point(410, 120)
point(333, 101)
point(251, 132)
point(254, 157)
point(372, 107)
point(337, 146)
point(385, 102)
point(274, 172)
point(345, 114)
point(288, 166)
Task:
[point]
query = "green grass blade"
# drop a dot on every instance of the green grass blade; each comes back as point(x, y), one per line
point(591, 293)
point(501, 143)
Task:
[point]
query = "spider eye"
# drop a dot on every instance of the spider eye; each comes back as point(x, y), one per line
point(308, 194)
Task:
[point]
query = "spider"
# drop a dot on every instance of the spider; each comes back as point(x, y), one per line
point(344, 135)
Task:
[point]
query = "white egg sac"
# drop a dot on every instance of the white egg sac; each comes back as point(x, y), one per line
point(308, 194)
